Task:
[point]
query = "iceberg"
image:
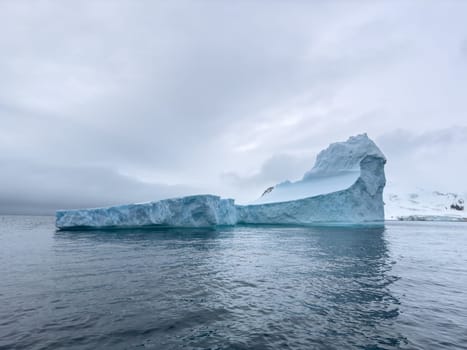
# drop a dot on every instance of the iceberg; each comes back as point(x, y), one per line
point(344, 187)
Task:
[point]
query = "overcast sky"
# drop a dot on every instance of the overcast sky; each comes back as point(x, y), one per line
point(107, 102)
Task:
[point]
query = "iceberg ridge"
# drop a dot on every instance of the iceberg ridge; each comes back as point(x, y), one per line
point(191, 211)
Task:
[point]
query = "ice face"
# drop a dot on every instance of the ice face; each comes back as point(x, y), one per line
point(344, 187)
point(191, 211)
point(342, 157)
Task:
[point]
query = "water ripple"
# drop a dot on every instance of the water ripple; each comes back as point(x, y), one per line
point(242, 288)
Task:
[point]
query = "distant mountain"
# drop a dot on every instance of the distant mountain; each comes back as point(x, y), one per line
point(425, 205)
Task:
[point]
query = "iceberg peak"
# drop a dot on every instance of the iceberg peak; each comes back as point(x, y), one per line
point(336, 168)
point(344, 156)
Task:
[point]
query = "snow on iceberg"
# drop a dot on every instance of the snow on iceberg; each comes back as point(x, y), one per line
point(344, 187)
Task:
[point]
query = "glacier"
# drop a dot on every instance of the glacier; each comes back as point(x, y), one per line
point(344, 187)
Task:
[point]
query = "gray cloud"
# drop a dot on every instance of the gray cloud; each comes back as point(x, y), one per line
point(40, 189)
point(463, 48)
point(217, 96)
point(426, 159)
point(278, 168)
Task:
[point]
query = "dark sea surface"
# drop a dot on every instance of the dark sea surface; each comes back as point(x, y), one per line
point(402, 286)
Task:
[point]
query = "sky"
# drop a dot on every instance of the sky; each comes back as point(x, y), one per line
point(109, 102)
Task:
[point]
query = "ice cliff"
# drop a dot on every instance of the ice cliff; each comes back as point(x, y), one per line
point(191, 211)
point(344, 187)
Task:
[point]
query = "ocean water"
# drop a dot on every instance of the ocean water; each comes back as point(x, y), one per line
point(403, 286)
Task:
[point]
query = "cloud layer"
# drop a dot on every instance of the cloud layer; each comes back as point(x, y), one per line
point(106, 102)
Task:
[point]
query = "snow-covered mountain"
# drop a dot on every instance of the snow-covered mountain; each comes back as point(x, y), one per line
point(423, 204)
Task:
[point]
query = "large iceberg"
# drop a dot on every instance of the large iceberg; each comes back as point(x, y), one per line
point(344, 187)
